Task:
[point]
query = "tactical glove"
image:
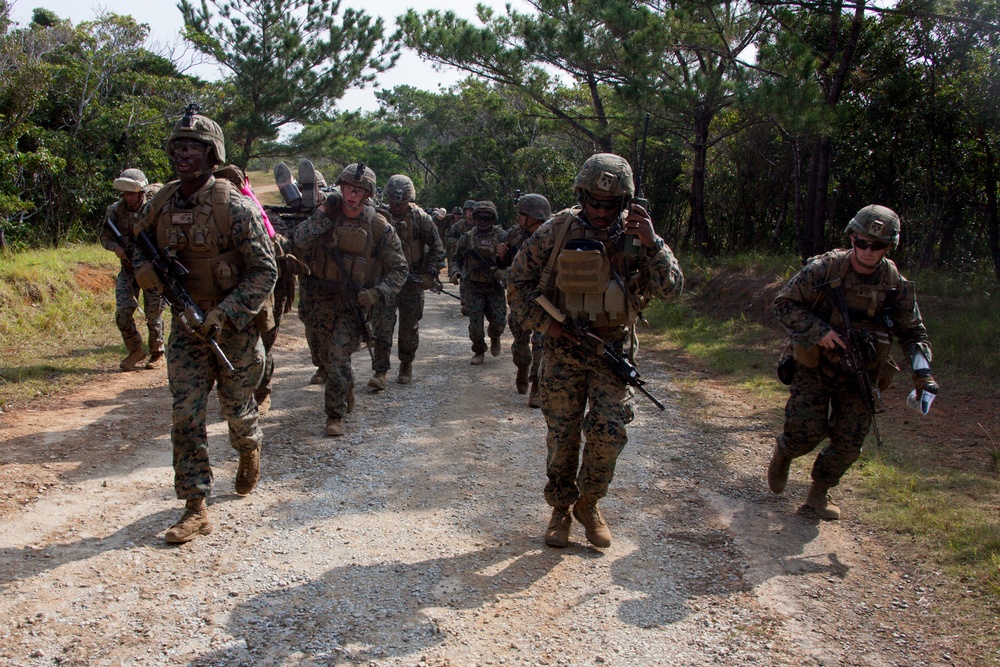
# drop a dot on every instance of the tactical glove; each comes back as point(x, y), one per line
point(924, 381)
point(147, 278)
point(214, 321)
point(427, 281)
point(367, 298)
point(332, 205)
point(454, 279)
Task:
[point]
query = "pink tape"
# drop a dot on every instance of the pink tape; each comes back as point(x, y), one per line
point(248, 191)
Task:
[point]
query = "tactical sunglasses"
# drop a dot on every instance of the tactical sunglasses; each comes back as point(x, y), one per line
point(862, 244)
point(483, 217)
point(613, 205)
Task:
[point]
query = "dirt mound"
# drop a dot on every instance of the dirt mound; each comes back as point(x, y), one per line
point(96, 279)
point(732, 292)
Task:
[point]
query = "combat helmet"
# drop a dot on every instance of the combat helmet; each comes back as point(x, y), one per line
point(469, 203)
point(358, 175)
point(485, 206)
point(605, 175)
point(131, 180)
point(534, 206)
point(876, 222)
point(200, 128)
point(399, 189)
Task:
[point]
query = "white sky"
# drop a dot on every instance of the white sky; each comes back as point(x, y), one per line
point(165, 22)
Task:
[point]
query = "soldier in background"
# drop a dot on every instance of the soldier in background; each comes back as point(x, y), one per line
point(476, 258)
point(220, 237)
point(124, 214)
point(373, 260)
point(458, 229)
point(584, 262)
point(532, 211)
point(824, 399)
point(424, 255)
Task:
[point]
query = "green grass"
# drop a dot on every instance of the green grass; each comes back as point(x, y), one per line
point(57, 328)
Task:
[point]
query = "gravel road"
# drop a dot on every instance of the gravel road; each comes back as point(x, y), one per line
point(416, 538)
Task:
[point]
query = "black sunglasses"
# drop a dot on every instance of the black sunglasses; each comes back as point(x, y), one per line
point(862, 244)
point(483, 217)
point(613, 205)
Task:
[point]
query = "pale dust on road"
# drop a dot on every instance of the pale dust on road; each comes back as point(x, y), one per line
point(416, 538)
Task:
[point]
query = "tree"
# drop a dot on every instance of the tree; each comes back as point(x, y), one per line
point(290, 61)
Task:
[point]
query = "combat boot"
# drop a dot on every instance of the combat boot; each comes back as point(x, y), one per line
point(495, 347)
point(378, 381)
point(194, 522)
point(350, 397)
point(133, 361)
point(777, 470)
point(477, 359)
point(248, 471)
point(405, 373)
point(557, 532)
point(819, 502)
point(334, 426)
point(156, 360)
point(585, 511)
point(522, 380)
point(319, 377)
point(534, 398)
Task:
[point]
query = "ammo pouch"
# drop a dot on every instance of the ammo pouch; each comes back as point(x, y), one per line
point(580, 271)
point(885, 368)
point(786, 364)
point(265, 318)
point(213, 278)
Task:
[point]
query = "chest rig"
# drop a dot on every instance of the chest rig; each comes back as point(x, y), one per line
point(586, 274)
point(409, 238)
point(486, 245)
point(357, 239)
point(198, 232)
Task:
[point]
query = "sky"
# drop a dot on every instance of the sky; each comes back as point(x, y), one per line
point(165, 22)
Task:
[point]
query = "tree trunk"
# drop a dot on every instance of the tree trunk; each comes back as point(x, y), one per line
point(991, 207)
point(697, 222)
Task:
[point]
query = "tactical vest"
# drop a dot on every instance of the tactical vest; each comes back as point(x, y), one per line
point(198, 233)
point(485, 245)
point(865, 304)
point(588, 284)
point(126, 220)
point(358, 240)
point(407, 230)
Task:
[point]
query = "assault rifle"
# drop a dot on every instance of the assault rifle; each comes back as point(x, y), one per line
point(364, 327)
point(170, 271)
point(435, 287)
point(488, 263)
point(858, 353)
point(624, 369)
point(120, 240)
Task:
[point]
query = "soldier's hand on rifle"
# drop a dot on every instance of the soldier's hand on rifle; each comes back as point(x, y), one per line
point(427, 281)
point(147, 277)
point(453, 279)
point(638, 223)
point(832, 341)
point(120, 251)
point(215, 319)
point(367, 298)
point(332, 205)
point(556, 330)
point(502, 251)
point(924, 381)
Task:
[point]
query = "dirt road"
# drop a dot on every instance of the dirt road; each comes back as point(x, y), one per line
point(416, 538)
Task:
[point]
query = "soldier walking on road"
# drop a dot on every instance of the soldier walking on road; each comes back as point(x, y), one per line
point(218, 234)
point(532, 211)
point(424, 255)
point(475, 256)
point(345, 225)
point(124, 214)
point(824, 399)
point(461, 227)
point(585, 262)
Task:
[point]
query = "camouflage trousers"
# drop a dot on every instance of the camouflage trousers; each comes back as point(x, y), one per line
point(192, 371)
point(825, 403)
point(485, 302)
point(269, 338)
point(126, 303)
point(410, 303)
point(526, 348)
point(337, 338)
point(307, 298)
point(581, 396)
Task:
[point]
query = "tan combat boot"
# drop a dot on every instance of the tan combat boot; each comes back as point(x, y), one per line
point(477, 359)
point(819, 502)
point(586, 512)
point(534, 398)
point(319, 377)
point(350, 397)
point(405, 373)
point(557, 532)
point(521, 382)
point(495, 347)
point(156, 361)
point(378, 381)
point(248, 472)
point(133, 361)
point(334, 426)
point(194, 522)
point(777, 470)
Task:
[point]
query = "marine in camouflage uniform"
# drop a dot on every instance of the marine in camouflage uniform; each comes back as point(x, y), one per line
point(459, 229)
point(424, 255)
point(374, 261)
point(585, 262)
point(532, 211)
point(124, 214)
point(483, 280)
point(218, 234)
point(824, 399)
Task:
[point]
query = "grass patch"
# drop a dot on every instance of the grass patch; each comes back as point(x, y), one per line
point(57, 319)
